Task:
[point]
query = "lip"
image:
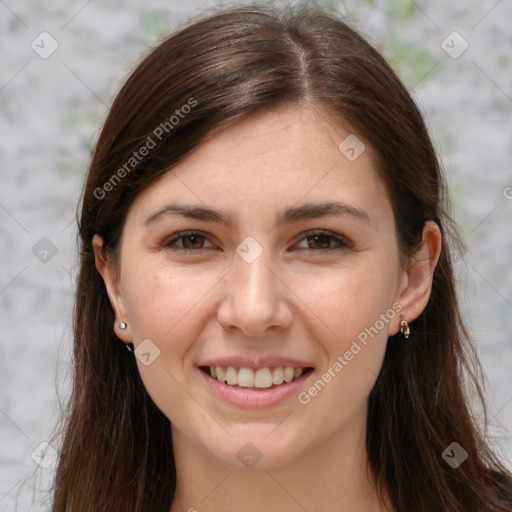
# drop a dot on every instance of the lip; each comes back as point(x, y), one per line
point(254, 398)
point(257, 362)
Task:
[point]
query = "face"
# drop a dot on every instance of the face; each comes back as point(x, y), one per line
point(277, 286)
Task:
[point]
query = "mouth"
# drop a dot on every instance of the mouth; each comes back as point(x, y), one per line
point(265, 378)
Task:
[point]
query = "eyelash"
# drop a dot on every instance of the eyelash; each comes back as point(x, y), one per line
point(178, 236)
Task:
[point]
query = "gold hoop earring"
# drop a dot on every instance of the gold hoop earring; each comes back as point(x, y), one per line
point(404, 328)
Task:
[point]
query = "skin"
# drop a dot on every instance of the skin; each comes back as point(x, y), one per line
point(290, 301)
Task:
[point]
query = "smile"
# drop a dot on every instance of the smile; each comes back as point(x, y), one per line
point(262, 378)
point(254, 388)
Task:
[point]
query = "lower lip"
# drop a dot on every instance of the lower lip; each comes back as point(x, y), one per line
point(253, 397)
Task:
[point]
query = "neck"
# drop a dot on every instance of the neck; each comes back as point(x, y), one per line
point(329, 477)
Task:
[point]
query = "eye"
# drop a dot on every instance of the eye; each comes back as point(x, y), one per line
point(324, 239)
point(319, 241)
point(190, 240)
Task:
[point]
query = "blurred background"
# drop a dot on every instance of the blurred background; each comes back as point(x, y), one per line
point(61, 65)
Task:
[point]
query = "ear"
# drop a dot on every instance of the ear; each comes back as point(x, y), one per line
point(112, 284)
point(416, 283)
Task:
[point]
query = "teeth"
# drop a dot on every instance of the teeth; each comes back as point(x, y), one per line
point(231, 376)
point(288, 374)
point(260, 378)
point(246, 378)
point(278, 376)
point(221, 376)
point(263, 378)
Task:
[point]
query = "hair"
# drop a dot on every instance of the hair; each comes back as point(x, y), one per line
point(115, 448)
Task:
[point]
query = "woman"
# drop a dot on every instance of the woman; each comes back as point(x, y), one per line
point(264, 227)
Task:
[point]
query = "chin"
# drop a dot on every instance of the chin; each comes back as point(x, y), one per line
point(260, 450)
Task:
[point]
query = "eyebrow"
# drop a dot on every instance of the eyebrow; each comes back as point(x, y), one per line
point(292, 214)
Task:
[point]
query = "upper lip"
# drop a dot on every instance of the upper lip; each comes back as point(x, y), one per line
point(256, 362)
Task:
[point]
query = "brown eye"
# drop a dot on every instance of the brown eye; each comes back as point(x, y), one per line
point(317, 241)
point(321, 241)
point(190, 241)
point(195, 241)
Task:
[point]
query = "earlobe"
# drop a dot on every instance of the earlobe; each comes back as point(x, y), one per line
point(111, 280)
point(418, 278)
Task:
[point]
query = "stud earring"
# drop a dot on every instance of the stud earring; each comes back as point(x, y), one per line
point(404, 328)
point(129, 346)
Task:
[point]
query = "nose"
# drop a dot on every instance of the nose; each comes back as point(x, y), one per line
point(255, 298)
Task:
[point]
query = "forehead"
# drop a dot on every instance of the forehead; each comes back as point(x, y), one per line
point(272, 160)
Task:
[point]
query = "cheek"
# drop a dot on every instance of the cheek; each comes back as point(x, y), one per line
point(355, 308)
point(160, 300)
point(163, 306)
point(354, 312)
point(348, 301)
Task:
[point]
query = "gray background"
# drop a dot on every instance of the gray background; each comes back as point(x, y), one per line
point(51, 113)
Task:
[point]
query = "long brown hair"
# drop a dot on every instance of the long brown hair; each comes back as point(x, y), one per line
point(116, 452)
